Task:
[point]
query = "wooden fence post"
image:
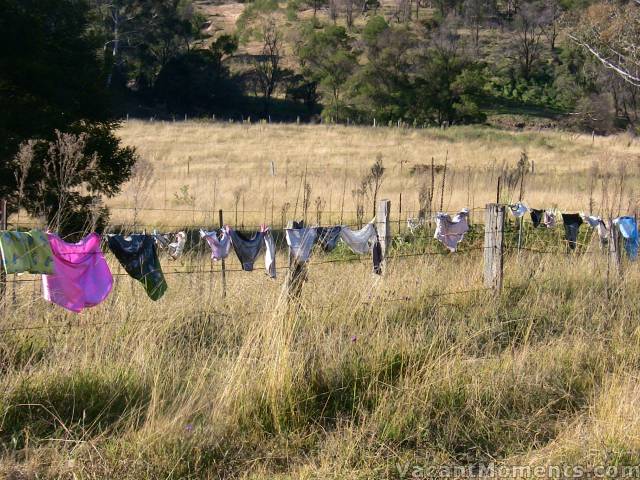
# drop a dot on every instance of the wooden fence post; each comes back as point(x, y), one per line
point(493, 246)
point(383, 227)
point(615, 258)
point(224, 272)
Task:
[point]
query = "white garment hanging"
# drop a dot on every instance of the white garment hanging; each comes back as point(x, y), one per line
point(549, 219)
point(177, 247)
point(450, 231)
point(519, 209)
point(300, 241)
point(270, 254)
point(360, 241)
point(597, 223)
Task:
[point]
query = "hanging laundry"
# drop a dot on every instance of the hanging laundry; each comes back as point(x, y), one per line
point(219, 241)
point(450, 231)
point(629, 230)
point(176, 247)
point(300, 241)
point(162, 241)
point(139, 257)
point(270, 254)
point(536, 217)
point(82, 278)
point(519, 209)
point(377, 257)
point(572, 222)
point(24, 252)
point(549, 219)
point(361, 240)
point(598, 224)
point(328, 237)
point(247, 248)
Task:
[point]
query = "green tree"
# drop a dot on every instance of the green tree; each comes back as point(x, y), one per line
point(381, 87)
point(54, 112)
point(329, 59)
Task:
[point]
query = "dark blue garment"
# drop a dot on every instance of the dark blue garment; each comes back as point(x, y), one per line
point(536, 216)
point(139, 257)
point(629, 230)
point(572, 222)
point(328, 237)
point(247, 248)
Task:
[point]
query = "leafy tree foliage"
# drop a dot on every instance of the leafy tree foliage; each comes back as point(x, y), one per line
point(54, 112)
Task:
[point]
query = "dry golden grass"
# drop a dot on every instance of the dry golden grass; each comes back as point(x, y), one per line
point(215, 160)
point(372, 377)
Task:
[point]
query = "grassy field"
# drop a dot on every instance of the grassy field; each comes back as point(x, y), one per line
point(372, 377)
point(228, 166)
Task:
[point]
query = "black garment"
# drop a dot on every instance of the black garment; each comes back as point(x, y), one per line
point(377, 258)
point(139, 257)
point(328, 237)
point(572, 222)
point(247, 248)
point(536, 216)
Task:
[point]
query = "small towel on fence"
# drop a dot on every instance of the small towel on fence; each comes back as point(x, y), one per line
point(519, 209)
point(247, 248)
point(82, 278)
point(328, 237)
point(219, 241)
point(26, 252)
point(360, 241)
point(139, 257)
point(450, 231)
point(300, 241)
point(629, 230)
point(269, 254)
point(572, 222)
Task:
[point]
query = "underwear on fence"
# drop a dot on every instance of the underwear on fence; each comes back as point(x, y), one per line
point(219, 241)
point(139, 257)
point(450, 231)
point(300, 241)
point(81, 277)
point(247, 248)
point(536, 217)
point(572, 222)
point(328, 237)
point(24, 252)
point(629, 230)
point(360, 241)
point(519, 209)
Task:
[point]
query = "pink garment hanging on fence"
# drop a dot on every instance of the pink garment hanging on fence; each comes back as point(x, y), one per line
point(81, 276)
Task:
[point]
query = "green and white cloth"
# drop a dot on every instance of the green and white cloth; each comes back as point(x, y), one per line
point(26, 252)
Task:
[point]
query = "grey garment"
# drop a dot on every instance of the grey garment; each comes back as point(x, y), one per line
point(247, 248)
point(360, 240)
point(328, 237)
point(270, 254)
